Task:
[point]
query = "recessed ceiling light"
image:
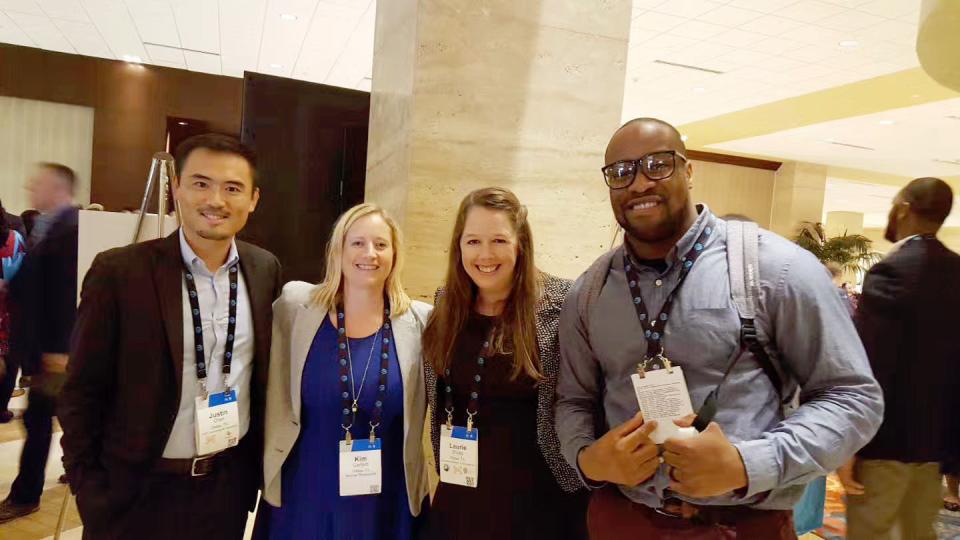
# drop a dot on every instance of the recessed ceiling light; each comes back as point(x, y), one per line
point(849, 44)
point(276, 66)
point(887, 122)
point(182, 123)
point(699, 89)
point(132, 59)
point(288, 17)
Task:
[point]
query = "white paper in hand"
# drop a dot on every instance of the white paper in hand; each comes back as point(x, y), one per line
point(663, 396)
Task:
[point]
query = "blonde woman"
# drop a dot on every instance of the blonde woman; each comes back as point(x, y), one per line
point(345, 371)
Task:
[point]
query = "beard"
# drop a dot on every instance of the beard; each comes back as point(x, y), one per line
point(890, 235)
point(668, 228)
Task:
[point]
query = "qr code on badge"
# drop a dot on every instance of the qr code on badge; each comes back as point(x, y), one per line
point(471, 481)
point(374, 489)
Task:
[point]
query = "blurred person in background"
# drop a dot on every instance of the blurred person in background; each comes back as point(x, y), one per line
point(43, 298)
point(11, 255)
point(905, 320)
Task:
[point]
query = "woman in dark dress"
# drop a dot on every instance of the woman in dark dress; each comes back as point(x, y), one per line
point(492, 339)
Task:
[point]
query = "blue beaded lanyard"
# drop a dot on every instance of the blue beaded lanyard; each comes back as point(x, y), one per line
point(473, 405)
point(346, 361)
point(654, 327)
point(198, 327)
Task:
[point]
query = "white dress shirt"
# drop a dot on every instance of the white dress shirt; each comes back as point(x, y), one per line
point(213, 291)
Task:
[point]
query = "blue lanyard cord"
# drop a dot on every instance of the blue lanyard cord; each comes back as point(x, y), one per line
point(194, 299)
point(346, 376)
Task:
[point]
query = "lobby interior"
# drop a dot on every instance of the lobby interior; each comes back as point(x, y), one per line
point(794, 112)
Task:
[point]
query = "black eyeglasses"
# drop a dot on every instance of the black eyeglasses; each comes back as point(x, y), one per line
point(656, 166)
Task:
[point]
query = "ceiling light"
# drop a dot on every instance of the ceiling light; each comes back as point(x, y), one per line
point(276, 66)
point(182, 123)
point(288, 17)
point(849, 44)
point(887, 122)
point(699, 89)
point(132, 59)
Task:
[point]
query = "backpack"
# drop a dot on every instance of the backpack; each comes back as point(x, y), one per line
point(744, 272)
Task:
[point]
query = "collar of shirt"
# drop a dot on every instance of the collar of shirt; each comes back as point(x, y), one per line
point(196, 264)
point(896, 247)
point(685, 244)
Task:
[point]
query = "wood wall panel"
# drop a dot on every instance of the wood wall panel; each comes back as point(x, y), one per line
point(131, 104)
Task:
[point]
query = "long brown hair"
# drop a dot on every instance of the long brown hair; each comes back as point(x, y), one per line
point(516, 330)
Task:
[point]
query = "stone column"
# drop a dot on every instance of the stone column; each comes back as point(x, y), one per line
point(474, 93)
point(797, 196)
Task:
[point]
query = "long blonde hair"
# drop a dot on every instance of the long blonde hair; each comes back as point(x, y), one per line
point(516, 333)
point(328, 292)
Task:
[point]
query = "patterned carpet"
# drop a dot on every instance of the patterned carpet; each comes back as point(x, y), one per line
point(835, 523)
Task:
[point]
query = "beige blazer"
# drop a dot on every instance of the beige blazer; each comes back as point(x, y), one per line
point(295, 322)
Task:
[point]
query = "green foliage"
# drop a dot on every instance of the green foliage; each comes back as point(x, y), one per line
point(851, 251)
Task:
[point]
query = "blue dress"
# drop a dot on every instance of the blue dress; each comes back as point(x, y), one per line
point(311, 505)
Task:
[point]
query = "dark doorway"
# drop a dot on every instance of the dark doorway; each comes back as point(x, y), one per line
point(311, 144)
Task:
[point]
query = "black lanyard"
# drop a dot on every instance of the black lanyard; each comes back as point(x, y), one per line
point(198, 325)
point(343, 356)
point(653, 327)
point(473, 405)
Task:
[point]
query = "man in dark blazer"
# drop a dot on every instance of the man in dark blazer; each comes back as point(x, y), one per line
point(163, 328)
point(908, 321)
point(43, 301)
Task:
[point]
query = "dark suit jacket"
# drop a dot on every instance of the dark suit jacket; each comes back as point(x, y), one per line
point(44, 294)
point(908, 318)
point(123, 385)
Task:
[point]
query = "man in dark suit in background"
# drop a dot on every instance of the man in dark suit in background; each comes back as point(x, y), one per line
point(908, 321)
point(43, 299)
point(168, 330)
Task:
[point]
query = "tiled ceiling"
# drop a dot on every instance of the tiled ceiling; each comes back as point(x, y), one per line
point(871, 200)
point(752, 52)
point(912, 141)
point(327, 41)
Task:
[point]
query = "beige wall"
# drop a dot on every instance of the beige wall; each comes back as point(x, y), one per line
point(950, 236)
point(731, 189)
point(32, 131)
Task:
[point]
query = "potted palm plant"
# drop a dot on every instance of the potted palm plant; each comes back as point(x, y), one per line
point(853, 252)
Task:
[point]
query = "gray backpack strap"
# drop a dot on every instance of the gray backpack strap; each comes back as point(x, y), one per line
point(593, 281)
point(743, 239)
point(742, 247)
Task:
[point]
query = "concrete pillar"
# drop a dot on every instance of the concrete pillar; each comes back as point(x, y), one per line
point(797, 196)
point(475, 93)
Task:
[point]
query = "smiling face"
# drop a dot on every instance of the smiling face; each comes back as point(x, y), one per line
point(368, 253)
point(215, 193)
point(651, 211)
point(489, 249)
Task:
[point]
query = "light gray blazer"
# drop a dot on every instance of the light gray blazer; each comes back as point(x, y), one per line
point(295, 322)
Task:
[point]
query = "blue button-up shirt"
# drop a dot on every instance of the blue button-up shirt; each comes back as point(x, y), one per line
point(800, 316)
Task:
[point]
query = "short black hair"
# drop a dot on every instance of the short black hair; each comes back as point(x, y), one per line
point(659, 122)
point(215, 142)
point(930, 198)
point(65, 173)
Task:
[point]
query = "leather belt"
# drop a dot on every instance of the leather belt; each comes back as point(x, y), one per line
point(198, 466)
point(728, 516)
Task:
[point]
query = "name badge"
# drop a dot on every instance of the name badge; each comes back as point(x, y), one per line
point(218, 422)
point(663, 396)
point(360, 472)
point(459, 456)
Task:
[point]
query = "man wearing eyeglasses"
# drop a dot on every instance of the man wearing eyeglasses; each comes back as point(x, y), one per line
point(664, 307)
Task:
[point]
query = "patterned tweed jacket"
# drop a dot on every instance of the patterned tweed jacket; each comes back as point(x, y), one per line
point(548, 343)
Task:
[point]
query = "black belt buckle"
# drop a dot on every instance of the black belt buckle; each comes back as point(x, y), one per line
point(202, 466)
